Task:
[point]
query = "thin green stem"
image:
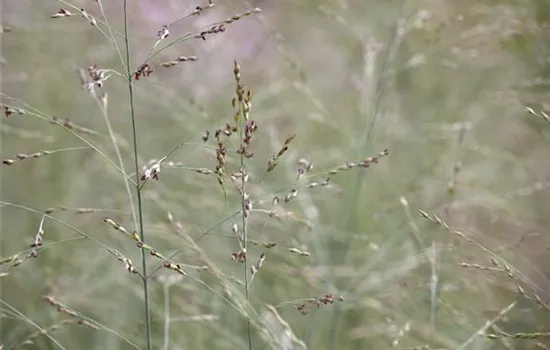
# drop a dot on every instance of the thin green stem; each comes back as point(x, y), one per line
point(241, 121)
point(138, 190)
point(244, 223)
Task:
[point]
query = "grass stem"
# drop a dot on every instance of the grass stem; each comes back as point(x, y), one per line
point(147, 311)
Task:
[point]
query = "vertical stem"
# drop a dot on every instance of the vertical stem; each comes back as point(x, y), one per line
point(138, 191)
point(241, 118)
point(245, 229)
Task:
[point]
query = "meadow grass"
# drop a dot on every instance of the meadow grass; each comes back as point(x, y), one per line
point(311, 175)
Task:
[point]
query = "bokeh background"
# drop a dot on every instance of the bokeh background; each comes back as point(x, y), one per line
point(442, 84)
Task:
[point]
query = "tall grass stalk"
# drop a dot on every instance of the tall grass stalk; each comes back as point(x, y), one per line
point(242, 118)
point(245, 240)
point(147, 311)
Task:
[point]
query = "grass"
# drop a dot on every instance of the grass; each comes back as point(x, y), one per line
point(341, 175)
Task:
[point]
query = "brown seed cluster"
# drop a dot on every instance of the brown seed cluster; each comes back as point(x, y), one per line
point(67, 123)
point(17, 259)
point(323, 183)
point(268, 245)
point(68, 311)
point(256, 267)
point(273, 161)
point(174, 267)
point(204, 171)
point(205, 136)
point(71, 126)
point(239, 256)
point(163, 33)
point(221, 149)
point(178, 61)
point(61, 13)
point(290, 196)
point(244, 149)
point(541, 114)
point(535, 297)
point(152, 170)
point(96, 75)
point(8, 110)
point(241, 105)
point(38, 239)
point(22, 156)
point(66, 13)
point(242, 15)
point(218, 28)
point(304, 167)
point(128, 265)
point(198, 10)
point(247, 205)
point(327, 299)
point(146, 68)
point(298, 251)
point(143, 71)
point(361, 164)
point(168, 264)
point(221, 153)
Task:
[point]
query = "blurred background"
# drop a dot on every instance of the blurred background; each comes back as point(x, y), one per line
point(443, 85)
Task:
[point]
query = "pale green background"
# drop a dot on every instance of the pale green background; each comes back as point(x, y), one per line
point(349, 78)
